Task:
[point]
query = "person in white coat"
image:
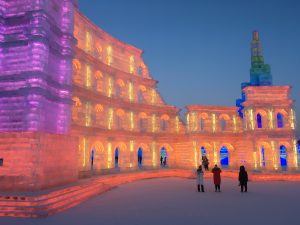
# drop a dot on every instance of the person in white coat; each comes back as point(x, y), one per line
point(200, 179)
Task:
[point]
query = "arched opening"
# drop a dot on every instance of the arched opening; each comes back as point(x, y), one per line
point(163, 157)
point(223, 124)
point(283, 156)
point(201, 124)
point(117, 157)
point(262, 157)
point(203, 151)
point(92, 158)
point(259, 120)
point(279, 120)
point(224, 156)
point(140, 156)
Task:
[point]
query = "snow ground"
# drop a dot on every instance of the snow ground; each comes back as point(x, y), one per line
point(173, 201)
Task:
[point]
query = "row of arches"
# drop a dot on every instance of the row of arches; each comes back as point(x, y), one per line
point(163, 157)
point(105, 84)
point(224, 155)
point(98, 116)
point(279, 120)
point(283, 157)
point(213, 122)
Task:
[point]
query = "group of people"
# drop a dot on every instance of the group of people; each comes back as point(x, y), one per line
point(243, 178)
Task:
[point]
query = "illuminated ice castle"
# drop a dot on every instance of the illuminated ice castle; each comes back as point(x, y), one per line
point(75, 101)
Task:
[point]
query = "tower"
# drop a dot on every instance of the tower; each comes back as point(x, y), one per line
point(36, 44)
point(260, 73)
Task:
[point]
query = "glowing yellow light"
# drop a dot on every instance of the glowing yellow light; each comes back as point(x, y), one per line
point(213, 116)
point(109, 55)
point(88, 41)
point(195, 154)
point(274, 155)
point(295, 152)
point(131, 144)
point(234, 123)
point(153, 122)
point(88, 79)
point(131, 64)
point(153, 96)
point(109, 155)
point(255, 159)
point(88, 112)
point(110, 118)
point(251, 119)
point(110, 87)
point(215, 153)
point(188, 121)
point(153, 148)
point(177, 123)
point(193, 122)
point(130, 91)
point(292, 118)
point(131, 115)
point(84, 152)
point(271, 125)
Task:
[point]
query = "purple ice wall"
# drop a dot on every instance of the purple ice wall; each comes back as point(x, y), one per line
point(36, 42)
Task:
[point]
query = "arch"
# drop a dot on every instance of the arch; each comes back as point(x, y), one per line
point(259, 120)
point(163, 155)
point(143, 121)
point(223, 124)
point(140, 96)
point(97, 155)
point(117, 157)
point(280, 123)
point(140, 156)
point(76, 65)
point(98, 108)
point(98, 75)
point(77, 101)
point(164, 122)
point(99, 48)
point(283, 156)
point(224, 156)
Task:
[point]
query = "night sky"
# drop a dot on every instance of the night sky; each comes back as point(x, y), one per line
point(199, 50)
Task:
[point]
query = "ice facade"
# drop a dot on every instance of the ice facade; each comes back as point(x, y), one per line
point(76, 101)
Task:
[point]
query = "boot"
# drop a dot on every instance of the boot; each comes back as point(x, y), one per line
point(198, 188)
point(202, 188)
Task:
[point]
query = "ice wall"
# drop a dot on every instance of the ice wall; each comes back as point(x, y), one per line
point(36, 50)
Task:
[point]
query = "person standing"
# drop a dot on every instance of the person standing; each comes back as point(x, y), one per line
point(217, 178)
point(243, 179)
point(161, 160)
point(205, 162)
point(200, 179)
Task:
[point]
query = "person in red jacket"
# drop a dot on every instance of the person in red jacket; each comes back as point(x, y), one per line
point(217, 177)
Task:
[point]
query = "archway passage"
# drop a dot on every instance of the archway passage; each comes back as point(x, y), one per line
point(163, 157)
point(117, 158)
point(263, 161)
point(140, 157)
point(203, 151)
point(283, 157)
point(279, 120)
point(224, 156)
point(92, 158)
point(259, 120)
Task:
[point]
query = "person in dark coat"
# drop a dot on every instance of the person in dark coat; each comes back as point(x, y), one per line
point(205, 162)
point(243, 178)
point(161, 160)
point(217, 178)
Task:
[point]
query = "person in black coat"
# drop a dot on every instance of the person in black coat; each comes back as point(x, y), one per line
point(243, 178)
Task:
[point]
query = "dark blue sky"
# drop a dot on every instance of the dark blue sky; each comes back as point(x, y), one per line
point(199, 50)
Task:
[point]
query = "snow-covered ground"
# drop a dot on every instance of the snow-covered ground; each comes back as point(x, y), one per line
point(173, 201)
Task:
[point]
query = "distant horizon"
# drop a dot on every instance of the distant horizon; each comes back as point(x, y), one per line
point(199, 51)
